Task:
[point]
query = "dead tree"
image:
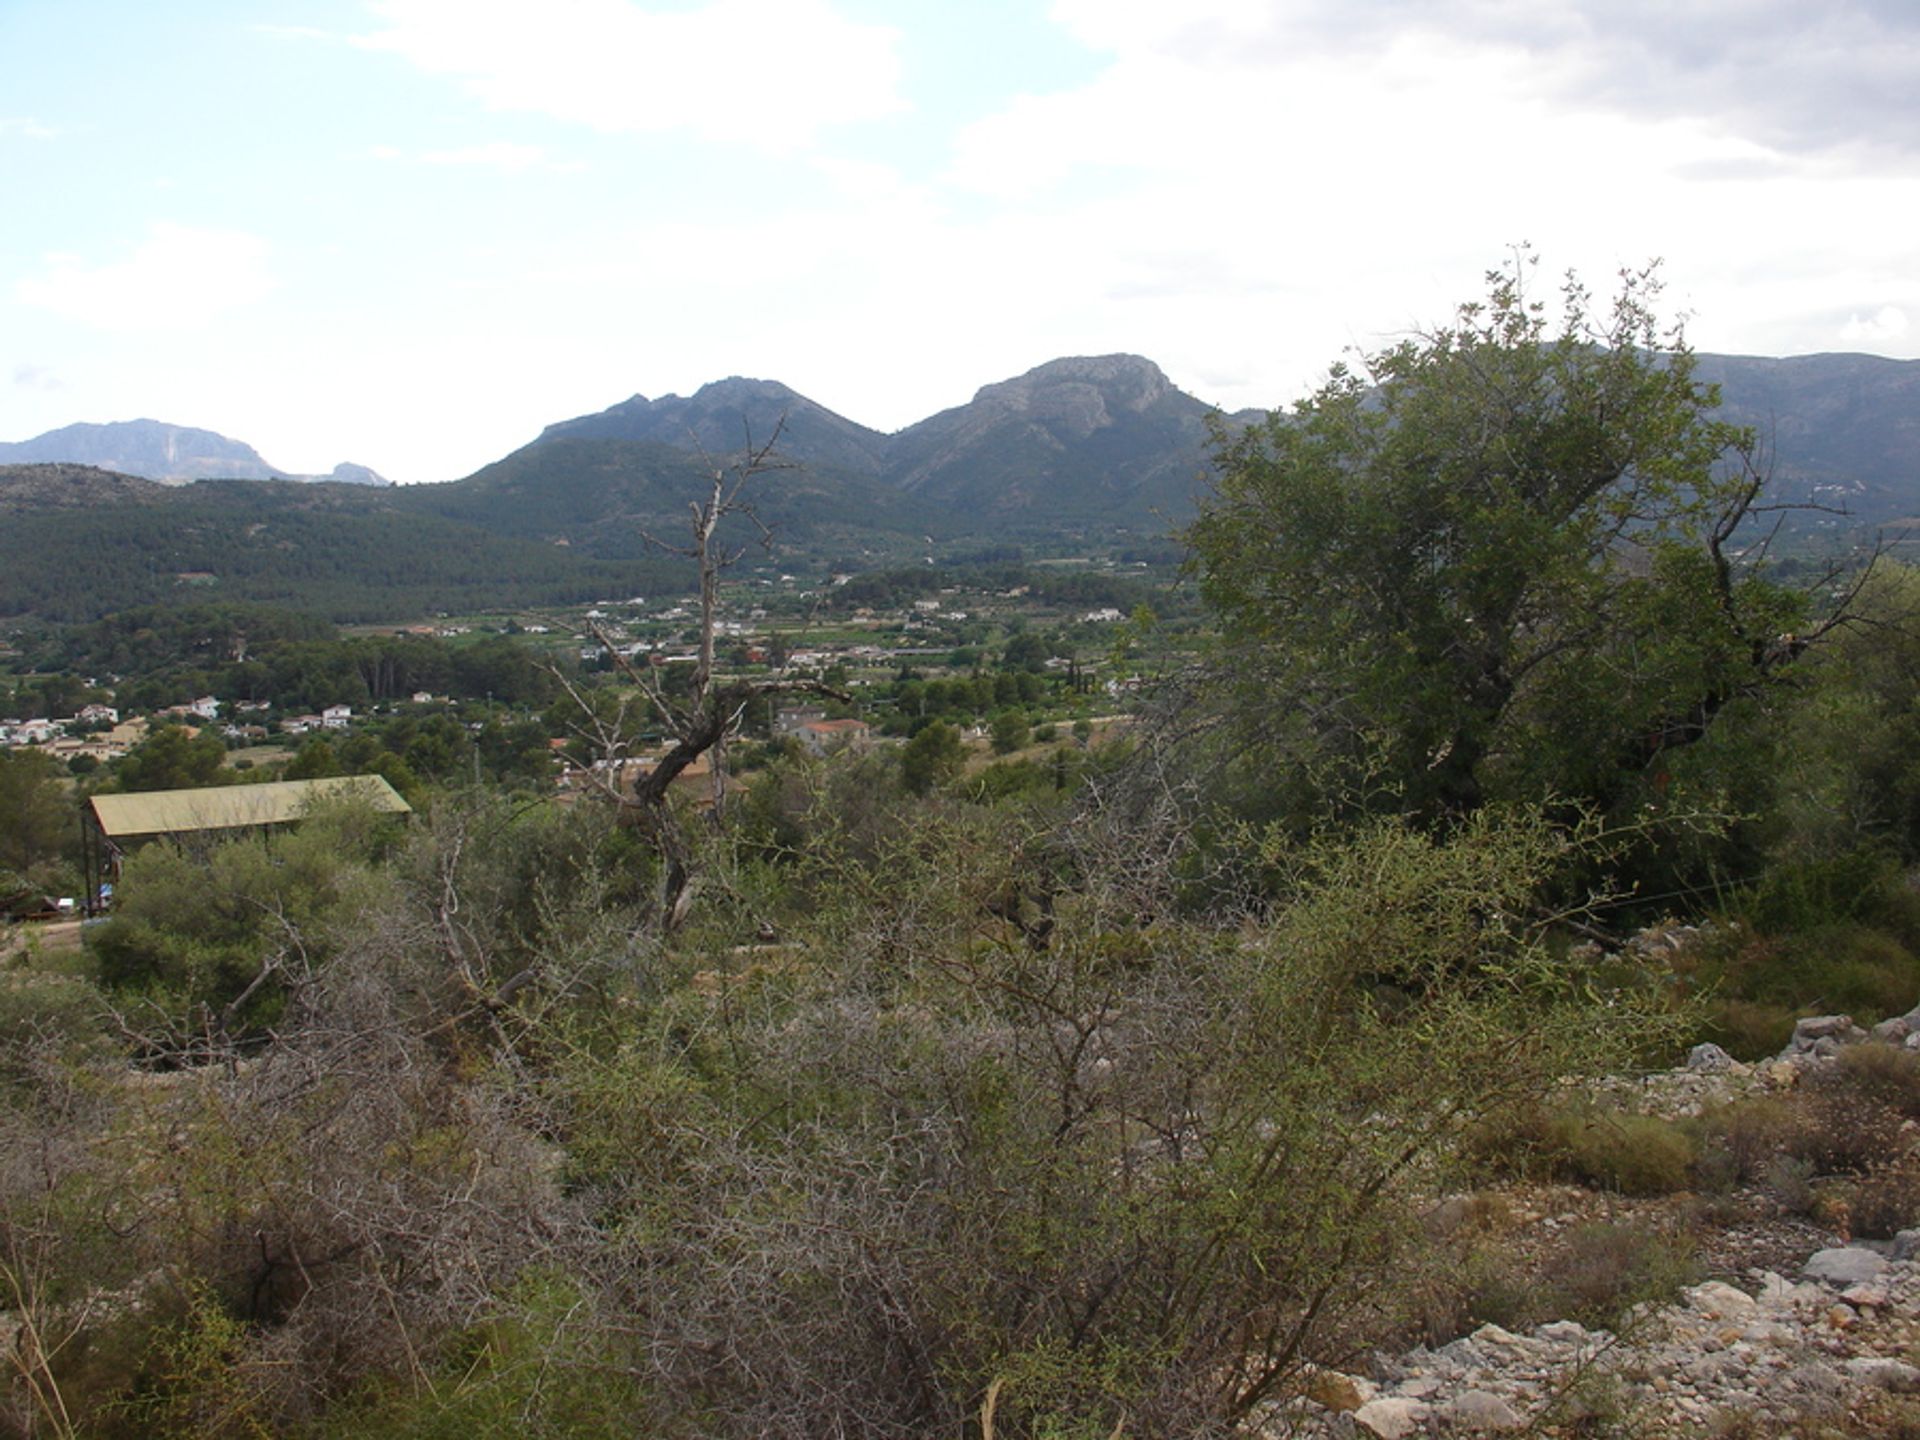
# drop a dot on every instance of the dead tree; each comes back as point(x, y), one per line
point(699, 721)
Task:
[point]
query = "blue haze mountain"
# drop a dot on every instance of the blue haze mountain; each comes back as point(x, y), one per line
point(155, 450)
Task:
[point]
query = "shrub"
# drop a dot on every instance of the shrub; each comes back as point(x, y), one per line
point(1888, 1199)
point(1606, 1270)
point(44, 1015)
point(1875, 1075)
point(1840, 1135)
point(1747, 1029)
point(945, 1155)
point(1604, 1149)
point(1801, 894)
point(1753, 1132)
point(1854, 969)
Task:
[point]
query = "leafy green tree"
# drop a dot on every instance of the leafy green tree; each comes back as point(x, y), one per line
point(1495, 560)
point(173, 758)
point(1848, 772)
point(931, 758)
point(1010, 731)
point(37, 822)
point(316, 760)
point(1027, 650)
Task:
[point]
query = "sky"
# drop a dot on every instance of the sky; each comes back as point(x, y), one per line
point(411, 233)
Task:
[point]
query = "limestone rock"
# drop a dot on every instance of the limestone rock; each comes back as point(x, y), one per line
point(1392, 1418)
point(1709, 1059)
point(1885, 1372)
point(1481, 1410)
point(1844, 1266)
point(1337, 1391)
point(1718, 1301)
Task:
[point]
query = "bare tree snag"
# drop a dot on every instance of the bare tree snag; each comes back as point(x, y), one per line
point(700, 721)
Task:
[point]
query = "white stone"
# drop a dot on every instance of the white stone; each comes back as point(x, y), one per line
point(1709, 1059)
point(1718, 1300)
point(1392, 1418)
point(1481, 1410)
point(1844, 1265)
point(1884, 1371)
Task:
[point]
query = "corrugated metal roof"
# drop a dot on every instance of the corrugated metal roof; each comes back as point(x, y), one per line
point(236, 807)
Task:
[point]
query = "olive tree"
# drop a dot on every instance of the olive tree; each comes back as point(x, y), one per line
point(1507, 557)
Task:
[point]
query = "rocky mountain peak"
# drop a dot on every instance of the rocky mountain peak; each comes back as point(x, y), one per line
point(1082, 391)
point(740, 389)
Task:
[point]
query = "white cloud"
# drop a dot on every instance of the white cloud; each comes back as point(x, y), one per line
point(180, 277)
point(766, 73)
point(1888, 323)
point(291, 32)
point(1799, 77)
point(26, 127)
point(1244, 189)
point(506, 156)
point(36, 377)
point(502, 155)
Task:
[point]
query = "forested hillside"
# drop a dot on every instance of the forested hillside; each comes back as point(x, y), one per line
point(1077, 453)
point(346, 552)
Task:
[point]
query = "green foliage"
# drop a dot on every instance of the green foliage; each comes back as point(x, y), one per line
point(966, 1109)
point(195, 925)
point(1758, 983)
point(1848, 776)
point(1611, 1150)
point(529, 1369)
point(1009, 732)
point(172, 758)
point(1479, 568)
point(190, 1383)
point(38, 824)
point(931, 758)
point(1034, 778)
point(1806, 893)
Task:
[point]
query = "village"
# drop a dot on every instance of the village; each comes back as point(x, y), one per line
point(523, 699)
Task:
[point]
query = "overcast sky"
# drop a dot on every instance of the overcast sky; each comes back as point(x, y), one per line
point(410, 233)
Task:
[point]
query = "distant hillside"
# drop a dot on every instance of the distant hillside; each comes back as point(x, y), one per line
point(720, 418)
point(1070, 453)
point(604, 496)
point(28, 488)
point(1109, 441)
point(155, 450)
point(346, 552)
point(1105, 440)
point(1840, 429)
point(1100, 438)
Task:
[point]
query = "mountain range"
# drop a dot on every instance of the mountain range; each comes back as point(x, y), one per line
point(1091, 439)
point(1077, 449)
point(1109, 440)
point(171, 454)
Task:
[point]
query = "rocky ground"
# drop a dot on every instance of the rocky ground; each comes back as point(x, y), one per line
point(1803, 1332)
point(1831, 1345)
